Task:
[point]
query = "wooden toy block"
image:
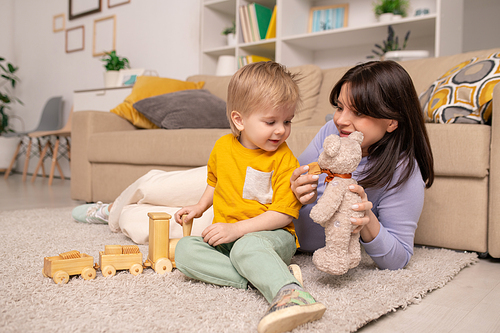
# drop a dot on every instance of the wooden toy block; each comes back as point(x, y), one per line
point(314, 168)
point(112, 249)
point(161, 248)
point(130, 249)
point(159, 228)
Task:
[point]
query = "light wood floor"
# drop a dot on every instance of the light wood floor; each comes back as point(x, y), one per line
point(468, 303)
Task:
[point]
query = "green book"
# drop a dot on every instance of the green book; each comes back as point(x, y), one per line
point(263, 15)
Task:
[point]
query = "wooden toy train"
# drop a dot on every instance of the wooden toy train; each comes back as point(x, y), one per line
point(161, 255)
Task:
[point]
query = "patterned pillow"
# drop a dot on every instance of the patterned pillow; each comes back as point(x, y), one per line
point(464, 93)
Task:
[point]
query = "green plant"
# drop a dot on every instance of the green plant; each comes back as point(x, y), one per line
point(229, 30)
point(114, 62)
point(397, 7)
point(7, 84)
point(390, 44)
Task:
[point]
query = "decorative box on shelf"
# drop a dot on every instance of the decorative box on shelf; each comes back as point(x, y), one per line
point(99, 99)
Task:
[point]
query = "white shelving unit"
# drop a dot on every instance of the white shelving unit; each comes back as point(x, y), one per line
point(439, 32)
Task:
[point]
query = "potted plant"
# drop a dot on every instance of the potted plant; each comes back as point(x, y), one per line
point(8, 81)
point(230, 33)
point(390, 44)
point(387, 10)
point(113, 64)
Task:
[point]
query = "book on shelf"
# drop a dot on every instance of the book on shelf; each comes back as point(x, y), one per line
point(252, 24)
point(263, 17)
point(255, 22)
point(244, 24)
point(245, 60)
point(271, 30)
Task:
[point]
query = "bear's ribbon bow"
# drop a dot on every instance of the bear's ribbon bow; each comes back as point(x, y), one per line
point(330, 175)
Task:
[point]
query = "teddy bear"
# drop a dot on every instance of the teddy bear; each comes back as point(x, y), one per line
point(333, 211)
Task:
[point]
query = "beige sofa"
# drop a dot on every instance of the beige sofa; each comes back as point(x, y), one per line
point(461, 209)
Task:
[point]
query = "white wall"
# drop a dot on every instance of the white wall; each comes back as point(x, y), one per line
point(7, 29)
point(480, 18)
point(161, 35)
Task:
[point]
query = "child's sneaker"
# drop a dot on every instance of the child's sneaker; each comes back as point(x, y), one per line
point(297, 273)
point(290, 308)
point(91, 213)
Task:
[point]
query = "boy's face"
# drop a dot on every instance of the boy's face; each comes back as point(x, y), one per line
point(266, 128)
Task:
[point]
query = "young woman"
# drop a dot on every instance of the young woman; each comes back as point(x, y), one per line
point(378, 99)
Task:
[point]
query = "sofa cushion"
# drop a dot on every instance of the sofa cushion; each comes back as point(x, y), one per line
point(309, 86)
point(185, 109)
point(461, 150)
point(148, 86)
point(464, 93)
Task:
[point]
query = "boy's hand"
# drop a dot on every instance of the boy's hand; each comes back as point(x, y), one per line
point(221, 233)
point(304, 185)
point(191, 212)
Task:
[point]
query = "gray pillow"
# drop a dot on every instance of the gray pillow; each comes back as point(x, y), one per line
point(185, 109)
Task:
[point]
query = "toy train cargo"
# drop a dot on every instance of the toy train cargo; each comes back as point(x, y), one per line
point(161, 256)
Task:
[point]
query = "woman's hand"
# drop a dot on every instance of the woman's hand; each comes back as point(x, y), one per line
point(304, 185)
point(221, 233)
point(368, 226)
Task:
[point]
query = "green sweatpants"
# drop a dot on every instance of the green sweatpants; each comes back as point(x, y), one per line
point(261, 258)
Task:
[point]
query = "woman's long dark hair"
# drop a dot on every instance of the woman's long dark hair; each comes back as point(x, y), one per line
point(384, 90)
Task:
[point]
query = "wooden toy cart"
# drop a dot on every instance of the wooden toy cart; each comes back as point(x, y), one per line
point(161, 256)
point(118, 257)
point(60, 267)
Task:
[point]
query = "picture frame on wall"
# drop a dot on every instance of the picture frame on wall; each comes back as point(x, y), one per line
point(127, 77)
point(114, 3)
point(324, 18)
point(75, 39)
point(79, 8)
point(104, 36)
point(59, 22)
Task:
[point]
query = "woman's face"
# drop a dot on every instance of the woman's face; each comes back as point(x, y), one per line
point(348, 120)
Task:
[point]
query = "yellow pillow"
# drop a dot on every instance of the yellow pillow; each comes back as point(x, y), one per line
point(149, 86)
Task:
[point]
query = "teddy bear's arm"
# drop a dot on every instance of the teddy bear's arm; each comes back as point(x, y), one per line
point(328, 204)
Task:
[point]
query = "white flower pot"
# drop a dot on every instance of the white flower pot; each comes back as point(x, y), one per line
point(231, 40)
point(404, 55)
point(7, 148)
point(385, 17)
point(111, 79)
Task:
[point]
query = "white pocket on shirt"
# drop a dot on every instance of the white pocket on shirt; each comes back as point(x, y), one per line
point(258, 186)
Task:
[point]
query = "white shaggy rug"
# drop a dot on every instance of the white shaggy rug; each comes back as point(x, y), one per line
point(173, 303)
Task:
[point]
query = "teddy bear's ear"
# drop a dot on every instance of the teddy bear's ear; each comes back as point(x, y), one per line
point(331, 145)
point(356, 136)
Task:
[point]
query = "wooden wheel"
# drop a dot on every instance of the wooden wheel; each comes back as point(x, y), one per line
point(108, 271)
point(163, 265)
point(61, 277)
point(136, 269)
point(43, 272)
point(88, 273)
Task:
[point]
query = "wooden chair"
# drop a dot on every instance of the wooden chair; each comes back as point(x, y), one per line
point(53, 150)
point(49, 121)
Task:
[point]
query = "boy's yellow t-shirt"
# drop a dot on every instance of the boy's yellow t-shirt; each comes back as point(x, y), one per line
point(249, 182)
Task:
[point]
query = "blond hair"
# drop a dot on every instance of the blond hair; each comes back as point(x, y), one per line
point(261, 84)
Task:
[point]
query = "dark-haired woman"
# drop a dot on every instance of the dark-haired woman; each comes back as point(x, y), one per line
point(378, 99)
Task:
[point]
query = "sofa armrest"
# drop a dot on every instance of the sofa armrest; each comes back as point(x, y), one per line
point(494, 191)
point(84, 124)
